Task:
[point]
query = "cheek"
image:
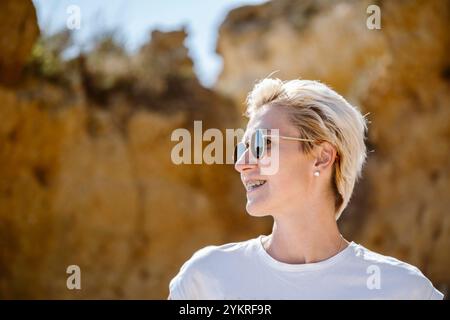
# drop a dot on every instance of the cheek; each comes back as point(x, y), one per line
point(293, 175)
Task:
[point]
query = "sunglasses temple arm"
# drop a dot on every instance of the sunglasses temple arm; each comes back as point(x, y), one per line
point(292, 138)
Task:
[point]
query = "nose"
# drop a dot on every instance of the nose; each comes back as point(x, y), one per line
point(246, 162)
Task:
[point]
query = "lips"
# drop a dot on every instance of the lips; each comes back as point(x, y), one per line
point(252, 185)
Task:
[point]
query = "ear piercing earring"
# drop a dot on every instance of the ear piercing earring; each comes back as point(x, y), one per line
point(317, 173)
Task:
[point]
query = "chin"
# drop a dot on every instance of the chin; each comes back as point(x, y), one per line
point(256, 209)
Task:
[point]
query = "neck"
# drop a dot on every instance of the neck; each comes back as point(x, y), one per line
point(305, 237)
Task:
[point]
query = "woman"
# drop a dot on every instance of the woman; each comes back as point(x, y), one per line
point(320, 153)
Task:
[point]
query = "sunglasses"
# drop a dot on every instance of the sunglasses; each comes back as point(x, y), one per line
point(260, 143)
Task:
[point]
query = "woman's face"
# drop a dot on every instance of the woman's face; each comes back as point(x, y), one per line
point(292, 183)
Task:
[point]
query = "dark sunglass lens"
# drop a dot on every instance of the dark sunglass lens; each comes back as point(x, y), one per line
point(239, 151)
point(258, 144)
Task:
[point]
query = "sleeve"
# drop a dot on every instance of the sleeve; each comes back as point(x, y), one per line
point(189, 283)
point(176, 290)
point(182, 286)
point(435, 294)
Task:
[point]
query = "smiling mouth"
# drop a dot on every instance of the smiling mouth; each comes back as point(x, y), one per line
point(253, 185)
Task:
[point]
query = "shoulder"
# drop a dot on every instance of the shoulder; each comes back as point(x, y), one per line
point(207, 264)
point(394, 275)
point(229, 250)
point(212, 257)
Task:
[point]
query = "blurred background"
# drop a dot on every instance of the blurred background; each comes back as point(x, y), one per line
point(87, 111)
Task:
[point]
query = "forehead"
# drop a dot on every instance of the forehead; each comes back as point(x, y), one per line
point(271, 117)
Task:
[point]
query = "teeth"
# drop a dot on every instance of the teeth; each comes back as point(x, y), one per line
point(255, 183)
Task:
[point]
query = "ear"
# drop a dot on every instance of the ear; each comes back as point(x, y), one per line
point(325, 156)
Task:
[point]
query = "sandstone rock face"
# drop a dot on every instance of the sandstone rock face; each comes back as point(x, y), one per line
point(400, 75)
point(409, 171)
point(291, 39)
point(19, 32)
point(86, 177)
point(85, 171)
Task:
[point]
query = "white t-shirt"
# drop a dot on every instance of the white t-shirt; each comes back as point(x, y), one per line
point(244, 270)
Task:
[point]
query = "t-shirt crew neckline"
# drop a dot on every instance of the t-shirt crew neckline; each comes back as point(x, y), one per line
point(271, 262)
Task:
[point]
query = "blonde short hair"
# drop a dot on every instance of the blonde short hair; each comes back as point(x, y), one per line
point(319, 113)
